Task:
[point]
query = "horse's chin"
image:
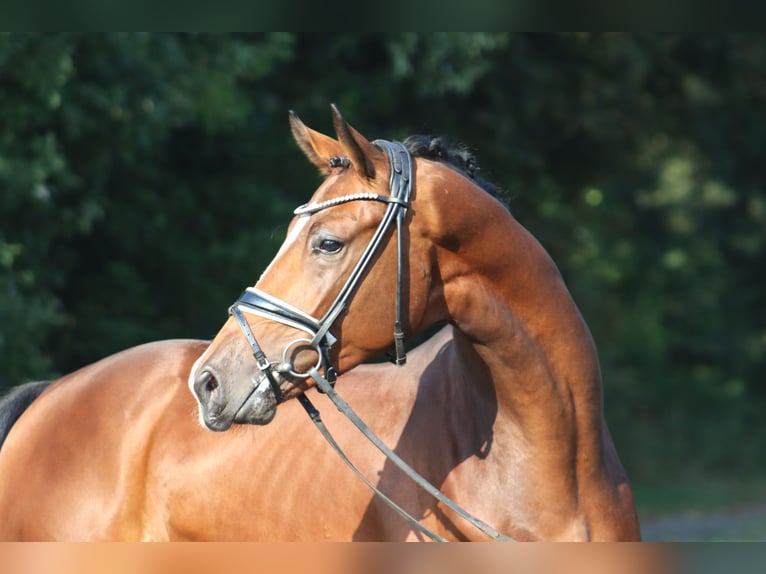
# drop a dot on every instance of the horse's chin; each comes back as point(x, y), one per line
point(215, 424)
point(259, 408)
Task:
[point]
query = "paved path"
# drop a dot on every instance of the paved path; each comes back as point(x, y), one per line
point(744, 524)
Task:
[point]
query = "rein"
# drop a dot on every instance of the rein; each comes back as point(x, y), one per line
point(344, 407)
point(257, 302)
point(316, 418)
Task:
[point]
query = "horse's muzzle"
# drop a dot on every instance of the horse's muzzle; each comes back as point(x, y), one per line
point(220, 406)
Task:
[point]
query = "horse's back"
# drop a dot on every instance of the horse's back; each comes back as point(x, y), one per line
point(56, 479)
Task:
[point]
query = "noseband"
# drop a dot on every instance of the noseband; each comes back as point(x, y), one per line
point(256, 302)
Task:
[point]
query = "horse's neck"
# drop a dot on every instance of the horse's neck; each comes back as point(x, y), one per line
point(508, 299)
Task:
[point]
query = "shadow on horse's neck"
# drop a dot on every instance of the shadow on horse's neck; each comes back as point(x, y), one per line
point(502, 290)
point(451, 421)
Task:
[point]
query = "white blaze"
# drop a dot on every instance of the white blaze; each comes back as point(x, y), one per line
point(289, 240)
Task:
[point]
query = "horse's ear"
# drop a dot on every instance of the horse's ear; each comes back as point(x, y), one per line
point(363, 154)
point(319, 148)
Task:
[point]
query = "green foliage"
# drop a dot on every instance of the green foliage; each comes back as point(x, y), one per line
point(122, 183)
point(145, 179)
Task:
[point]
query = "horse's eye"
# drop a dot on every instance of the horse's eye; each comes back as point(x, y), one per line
point(329, 246)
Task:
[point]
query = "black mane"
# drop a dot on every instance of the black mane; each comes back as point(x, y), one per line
point(459, 158)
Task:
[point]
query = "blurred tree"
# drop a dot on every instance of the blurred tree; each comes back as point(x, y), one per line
point(124, 177)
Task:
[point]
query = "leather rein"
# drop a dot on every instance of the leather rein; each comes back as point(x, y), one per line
point(257, 302)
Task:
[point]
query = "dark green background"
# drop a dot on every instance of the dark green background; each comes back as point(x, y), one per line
point(145, 179)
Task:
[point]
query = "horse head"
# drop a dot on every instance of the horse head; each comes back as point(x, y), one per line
point(339, 290)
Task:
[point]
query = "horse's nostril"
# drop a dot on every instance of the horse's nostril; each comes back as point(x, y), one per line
point(208, 380)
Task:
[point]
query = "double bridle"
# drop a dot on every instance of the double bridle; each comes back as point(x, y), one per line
point(320, 339)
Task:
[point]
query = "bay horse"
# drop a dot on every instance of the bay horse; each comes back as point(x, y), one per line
point(114, 451)
point(391, 239)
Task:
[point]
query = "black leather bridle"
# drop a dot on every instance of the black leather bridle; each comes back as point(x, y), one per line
point(257, 302)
